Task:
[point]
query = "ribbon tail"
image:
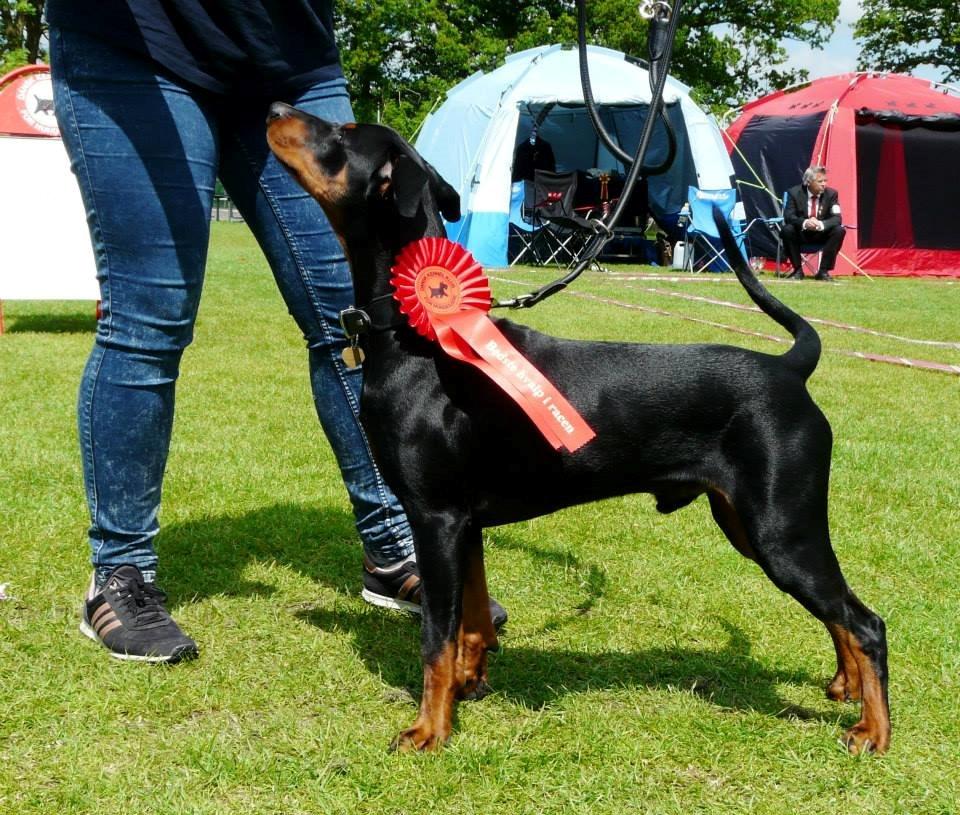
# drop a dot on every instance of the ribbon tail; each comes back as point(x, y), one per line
point(553, 415)
point(456, 347)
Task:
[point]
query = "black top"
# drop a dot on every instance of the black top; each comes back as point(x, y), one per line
point(529, 157)
point(253, 47)
point(798, 202)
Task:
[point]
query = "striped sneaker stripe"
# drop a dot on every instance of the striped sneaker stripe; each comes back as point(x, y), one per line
point(409, 588)
point(100, 613)
point(102, 632)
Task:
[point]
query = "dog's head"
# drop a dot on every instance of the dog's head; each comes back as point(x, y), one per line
point(353, 169)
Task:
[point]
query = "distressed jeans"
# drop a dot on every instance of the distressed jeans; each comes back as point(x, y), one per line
point(147, 151)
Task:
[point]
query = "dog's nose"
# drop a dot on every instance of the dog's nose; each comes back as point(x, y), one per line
point(278, 110)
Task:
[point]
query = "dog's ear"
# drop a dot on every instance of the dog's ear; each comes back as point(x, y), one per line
point(408, 180)
point(409, 175)
point(448, 199)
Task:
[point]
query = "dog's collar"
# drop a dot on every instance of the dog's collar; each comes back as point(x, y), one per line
point(380, 314)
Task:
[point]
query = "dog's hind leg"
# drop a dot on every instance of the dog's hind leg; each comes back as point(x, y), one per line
point(441, 545)
point(792, 545)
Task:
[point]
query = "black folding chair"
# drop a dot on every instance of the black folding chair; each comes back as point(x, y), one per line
point(563, 231)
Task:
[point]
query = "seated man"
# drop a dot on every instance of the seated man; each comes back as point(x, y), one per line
point(812, 216)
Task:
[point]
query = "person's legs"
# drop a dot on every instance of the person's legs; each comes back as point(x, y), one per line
point(790, 236)
point(832, 241)
point(144, 153)
point(310, 268)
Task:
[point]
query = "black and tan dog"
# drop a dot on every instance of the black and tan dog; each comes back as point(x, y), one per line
point(676, 421)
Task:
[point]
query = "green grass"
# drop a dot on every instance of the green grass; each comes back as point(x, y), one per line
point(646, 668)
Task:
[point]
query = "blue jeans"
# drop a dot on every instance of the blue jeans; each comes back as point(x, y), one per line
point(146, 152)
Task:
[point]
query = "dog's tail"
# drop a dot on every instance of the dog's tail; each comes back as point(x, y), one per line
point(805, 353)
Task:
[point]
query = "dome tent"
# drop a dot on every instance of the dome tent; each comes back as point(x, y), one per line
point(891, 146)
point(472, 137)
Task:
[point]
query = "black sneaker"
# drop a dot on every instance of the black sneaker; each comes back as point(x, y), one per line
point(398, 587)
point(128, 618)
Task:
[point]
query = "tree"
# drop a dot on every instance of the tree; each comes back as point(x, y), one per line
point(21, 33)
point(402, 55)
point(900, 35)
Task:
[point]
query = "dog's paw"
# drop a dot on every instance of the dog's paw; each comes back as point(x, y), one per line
point(841, 689)
point(418, 739)
point(861, 739)
point(476, 690)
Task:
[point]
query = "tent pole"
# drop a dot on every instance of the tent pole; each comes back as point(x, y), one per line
point(856, 267)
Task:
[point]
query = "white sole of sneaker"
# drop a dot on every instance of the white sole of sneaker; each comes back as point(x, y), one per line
point(87, 631)
point(389, 602)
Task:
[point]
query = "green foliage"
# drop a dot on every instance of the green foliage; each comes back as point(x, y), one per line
point(21, 32)
point(401, 56)
point(900, 35)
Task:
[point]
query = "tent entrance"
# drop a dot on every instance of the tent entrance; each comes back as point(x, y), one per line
point(568, 130)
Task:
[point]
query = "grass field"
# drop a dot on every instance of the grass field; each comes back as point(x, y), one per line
point(646, 668)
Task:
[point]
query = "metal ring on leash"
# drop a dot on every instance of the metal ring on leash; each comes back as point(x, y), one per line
point(650, 9)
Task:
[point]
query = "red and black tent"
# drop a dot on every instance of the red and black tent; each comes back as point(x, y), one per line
point(891, 145)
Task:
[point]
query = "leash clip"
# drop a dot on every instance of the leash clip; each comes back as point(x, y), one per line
point(355, 321)
point(655, 9)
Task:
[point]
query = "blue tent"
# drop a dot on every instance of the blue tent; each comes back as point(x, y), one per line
point(472, 137)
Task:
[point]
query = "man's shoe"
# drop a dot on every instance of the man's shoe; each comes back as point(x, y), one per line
point(398, 587)
point(127, 617)
point(823, 276)
point(796, 274)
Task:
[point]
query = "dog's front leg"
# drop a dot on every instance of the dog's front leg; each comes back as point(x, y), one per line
point(477, 634)
point(441, 544)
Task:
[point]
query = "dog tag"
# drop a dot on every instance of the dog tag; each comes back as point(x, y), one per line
point(352, 356)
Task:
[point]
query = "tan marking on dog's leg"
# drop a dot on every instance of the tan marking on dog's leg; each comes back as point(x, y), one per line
point(477, 634)
point(725, 514)
point(845, 685)
point(872, 732)
point(434, 723)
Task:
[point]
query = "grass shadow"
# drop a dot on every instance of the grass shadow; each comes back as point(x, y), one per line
point(208, 557)
point(729, 678)
point(51, 324)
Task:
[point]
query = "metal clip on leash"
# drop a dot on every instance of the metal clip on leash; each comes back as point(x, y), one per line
point(663, 28)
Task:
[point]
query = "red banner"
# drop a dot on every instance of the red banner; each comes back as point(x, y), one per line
point(446, 296)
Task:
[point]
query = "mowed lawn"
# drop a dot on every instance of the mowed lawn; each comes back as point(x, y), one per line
point(646, 667)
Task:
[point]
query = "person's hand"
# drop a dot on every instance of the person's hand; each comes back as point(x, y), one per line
point(813, 225)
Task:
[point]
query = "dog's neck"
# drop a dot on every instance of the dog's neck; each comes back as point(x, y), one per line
point(373, 248)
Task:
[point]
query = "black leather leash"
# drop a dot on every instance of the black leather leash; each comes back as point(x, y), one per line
point(664, 19)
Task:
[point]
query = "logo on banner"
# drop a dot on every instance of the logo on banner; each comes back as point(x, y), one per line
point(35, 104)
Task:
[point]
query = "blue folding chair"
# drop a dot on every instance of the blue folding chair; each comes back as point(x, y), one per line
point(702, 247)
point(521, 229)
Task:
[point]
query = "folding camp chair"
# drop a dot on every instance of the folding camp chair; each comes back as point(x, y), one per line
point(522, 232)
point(702, 247)
point(564, 231)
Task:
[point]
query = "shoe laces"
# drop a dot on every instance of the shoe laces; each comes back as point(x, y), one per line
point(145, 602)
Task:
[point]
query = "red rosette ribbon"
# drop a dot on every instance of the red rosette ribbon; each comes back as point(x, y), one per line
point(445, 295)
